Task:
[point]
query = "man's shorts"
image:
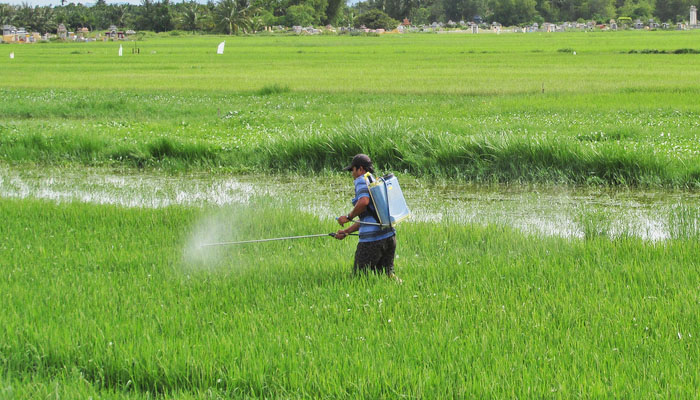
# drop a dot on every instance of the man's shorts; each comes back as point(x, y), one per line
point(377, 256)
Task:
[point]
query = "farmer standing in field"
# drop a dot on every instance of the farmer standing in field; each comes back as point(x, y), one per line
point(377, 246)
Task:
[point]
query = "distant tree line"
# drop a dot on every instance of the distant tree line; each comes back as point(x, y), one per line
point(514, 12)
point(246, 16)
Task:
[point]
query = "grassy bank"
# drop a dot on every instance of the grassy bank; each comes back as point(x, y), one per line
point(519, 138)
point(102, 300)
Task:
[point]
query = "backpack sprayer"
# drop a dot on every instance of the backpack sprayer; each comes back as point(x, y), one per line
point(387, 199)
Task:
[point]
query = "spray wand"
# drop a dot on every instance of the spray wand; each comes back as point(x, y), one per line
point(272, 239)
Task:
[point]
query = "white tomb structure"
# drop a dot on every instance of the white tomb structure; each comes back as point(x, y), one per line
point(693, 16)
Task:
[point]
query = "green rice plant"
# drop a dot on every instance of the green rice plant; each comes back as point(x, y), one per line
point(684, 222)
point(594, 223)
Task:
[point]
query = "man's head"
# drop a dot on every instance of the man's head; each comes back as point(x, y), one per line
point(360, 164)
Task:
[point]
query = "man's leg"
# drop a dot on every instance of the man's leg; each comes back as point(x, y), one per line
point(386, 261)
point(367, 256)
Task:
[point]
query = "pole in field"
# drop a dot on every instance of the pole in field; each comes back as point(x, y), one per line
point(120, 50)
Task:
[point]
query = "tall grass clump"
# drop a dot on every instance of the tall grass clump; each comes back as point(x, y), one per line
point(37, 147)
point(684, 222)
point(273, 89)
point(593, 223)
point(476, 158)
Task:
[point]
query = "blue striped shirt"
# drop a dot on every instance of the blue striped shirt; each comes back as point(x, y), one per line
point(369, 233)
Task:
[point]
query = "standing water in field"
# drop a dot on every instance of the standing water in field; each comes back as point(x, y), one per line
point(549, 210)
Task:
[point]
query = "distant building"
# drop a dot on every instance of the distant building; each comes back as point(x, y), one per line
point(62, 32)
point(8, 33)
point(21, 36)
point(114, 34)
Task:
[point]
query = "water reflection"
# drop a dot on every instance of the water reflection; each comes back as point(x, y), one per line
point(549, 210)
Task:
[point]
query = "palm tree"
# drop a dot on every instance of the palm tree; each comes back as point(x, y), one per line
point(24, 17)
point(7, 14)
point(120, 14)
point(189, 19)
point(233, 15)
point(44, 19)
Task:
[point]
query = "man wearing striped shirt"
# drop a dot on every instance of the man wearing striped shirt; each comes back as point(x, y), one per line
point(377, 245)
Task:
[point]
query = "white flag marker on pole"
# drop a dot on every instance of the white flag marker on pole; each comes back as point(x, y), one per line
point(120, 50)
point(12, 55)
point(220, 49)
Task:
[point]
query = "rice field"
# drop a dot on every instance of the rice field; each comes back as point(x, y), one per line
point(113, 172)
point(102, 300)
point(480, 108)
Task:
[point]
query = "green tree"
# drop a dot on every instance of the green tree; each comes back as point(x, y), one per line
point(44, 19)
point(599, 10)
point(119, 15)
point(145, 16)
point(189, 19)
point(24, 16)
point(300, 15)
point(7, 14)
point(162, 19)
point(642, 9)
point(74, 16)
point(333, 11)
point(420, 16)
point(457, 10)
point(101, 14)
point(346, 17)
point(376, 19)
point(547, 10)
point(513, 12)
point(674, 10)
point(233, 16)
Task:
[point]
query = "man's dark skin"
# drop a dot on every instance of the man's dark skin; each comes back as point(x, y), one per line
point(360, 207)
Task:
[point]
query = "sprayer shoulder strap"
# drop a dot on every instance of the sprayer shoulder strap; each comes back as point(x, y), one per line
point(370, 210)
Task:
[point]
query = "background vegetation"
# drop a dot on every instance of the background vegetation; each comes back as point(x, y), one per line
point(236, 16)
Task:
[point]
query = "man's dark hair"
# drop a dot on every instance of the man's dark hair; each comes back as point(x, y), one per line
point(361, 160)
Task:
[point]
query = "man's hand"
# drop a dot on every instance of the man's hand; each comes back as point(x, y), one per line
point(343, 219)
point(340, 235)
